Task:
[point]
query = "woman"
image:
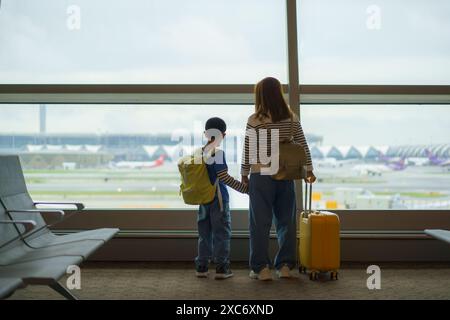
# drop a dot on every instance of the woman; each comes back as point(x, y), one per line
point(271, 198)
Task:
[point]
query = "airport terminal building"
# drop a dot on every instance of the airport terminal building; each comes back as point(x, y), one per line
point(100, 99)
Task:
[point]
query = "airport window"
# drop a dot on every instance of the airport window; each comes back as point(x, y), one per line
point(116, 156)
point(101, 154)
point(110, 156)
point(141, 41)
point(380, 157)
point(374, 42)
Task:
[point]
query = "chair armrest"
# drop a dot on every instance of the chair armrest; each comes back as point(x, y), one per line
point(78, 205)
point(28, 224)
point(60, 212)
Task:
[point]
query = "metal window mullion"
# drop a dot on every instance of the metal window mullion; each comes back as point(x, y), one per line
point(292, 58)
point(225, 94)
point(293, 76)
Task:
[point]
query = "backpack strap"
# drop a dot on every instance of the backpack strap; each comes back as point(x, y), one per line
point(291, 132)
point(216, 183)
point(219, 194)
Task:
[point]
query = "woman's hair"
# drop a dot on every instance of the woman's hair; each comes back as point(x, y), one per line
point(269, 100)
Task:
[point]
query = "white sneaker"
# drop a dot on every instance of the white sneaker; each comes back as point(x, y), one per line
point(284, 272)
point(263, 275)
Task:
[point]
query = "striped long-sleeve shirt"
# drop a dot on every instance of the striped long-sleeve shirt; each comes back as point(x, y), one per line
point(256, 143)
point(219, 169)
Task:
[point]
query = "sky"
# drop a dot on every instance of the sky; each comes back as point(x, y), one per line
point(223, 41)
point(218, 41)
point(357, 125)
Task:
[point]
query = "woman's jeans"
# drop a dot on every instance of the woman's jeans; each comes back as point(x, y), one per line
point(272, 200)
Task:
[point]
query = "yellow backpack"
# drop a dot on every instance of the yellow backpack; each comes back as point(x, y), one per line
point(196, 188)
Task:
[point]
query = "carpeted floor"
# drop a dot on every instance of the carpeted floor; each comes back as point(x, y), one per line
point(116, 280)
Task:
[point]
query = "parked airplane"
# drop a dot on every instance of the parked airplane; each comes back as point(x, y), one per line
point(140, 164)
point(385, 159)
point(417, 161)
point(333, 162)
point(411, 161)
point(379, 169)
point(435, 160)
point(327, 162)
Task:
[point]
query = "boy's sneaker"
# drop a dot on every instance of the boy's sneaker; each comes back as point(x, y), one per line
point(223, 272)
point(201, 272)
point(284, 272)
point(264, 275)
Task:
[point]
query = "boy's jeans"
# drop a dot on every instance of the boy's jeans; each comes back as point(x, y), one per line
point(214, 234)
point(272, 199)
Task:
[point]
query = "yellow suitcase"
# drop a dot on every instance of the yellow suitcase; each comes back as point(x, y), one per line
point(319, 243)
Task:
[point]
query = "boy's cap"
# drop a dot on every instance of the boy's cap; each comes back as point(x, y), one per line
point(216, 123)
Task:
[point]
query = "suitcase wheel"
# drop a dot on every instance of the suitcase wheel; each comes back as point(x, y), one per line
point(333, 275)
point(301, 269)
point(313, 275)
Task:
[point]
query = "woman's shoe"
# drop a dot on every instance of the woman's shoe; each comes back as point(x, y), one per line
point(284, 272)
point(264, 275)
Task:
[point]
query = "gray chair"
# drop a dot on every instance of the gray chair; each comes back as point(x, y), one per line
point(32, 266)
point(8, 286)
point(28, 248)
point(440, 234)
point(15, 198)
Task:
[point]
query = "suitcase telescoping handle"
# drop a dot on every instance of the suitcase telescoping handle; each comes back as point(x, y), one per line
point(308, 199)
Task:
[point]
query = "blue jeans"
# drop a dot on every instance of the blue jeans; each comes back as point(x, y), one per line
point(272, 200)
point(214, 234)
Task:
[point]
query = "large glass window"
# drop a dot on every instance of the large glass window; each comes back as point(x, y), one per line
point(380, 156)
point(141, 41)
point(374, 42)
point(110, 156)
point(124, 156)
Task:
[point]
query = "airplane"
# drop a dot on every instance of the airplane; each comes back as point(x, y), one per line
point(417, 161)
point(379, 169)
point(327, 162)
point(385, 159)
point(140, 164)
point(332, 162)
point(435, 160)
point(413, 161)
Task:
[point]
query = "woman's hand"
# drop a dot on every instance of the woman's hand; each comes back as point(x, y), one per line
point(310, 177)
point(244, 180)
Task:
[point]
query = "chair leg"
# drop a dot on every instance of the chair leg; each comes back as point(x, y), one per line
point(62, 291)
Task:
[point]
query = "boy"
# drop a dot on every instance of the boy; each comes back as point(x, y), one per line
point(214, 220)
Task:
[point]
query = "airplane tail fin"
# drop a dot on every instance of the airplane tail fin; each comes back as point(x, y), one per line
point(429, 153)
point(160, 160)
point(383, 157)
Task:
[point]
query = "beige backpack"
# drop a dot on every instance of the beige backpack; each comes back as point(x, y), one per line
point(292, 158)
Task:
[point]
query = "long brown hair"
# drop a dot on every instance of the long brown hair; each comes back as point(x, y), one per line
point(269, 100)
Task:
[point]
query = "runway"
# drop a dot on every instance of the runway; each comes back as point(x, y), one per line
point(159, 187)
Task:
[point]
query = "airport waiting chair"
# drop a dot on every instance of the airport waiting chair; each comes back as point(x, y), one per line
point(16, 200)
point(443, 235)
point(28, 248)
point(32, 266)
point(8, 286)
